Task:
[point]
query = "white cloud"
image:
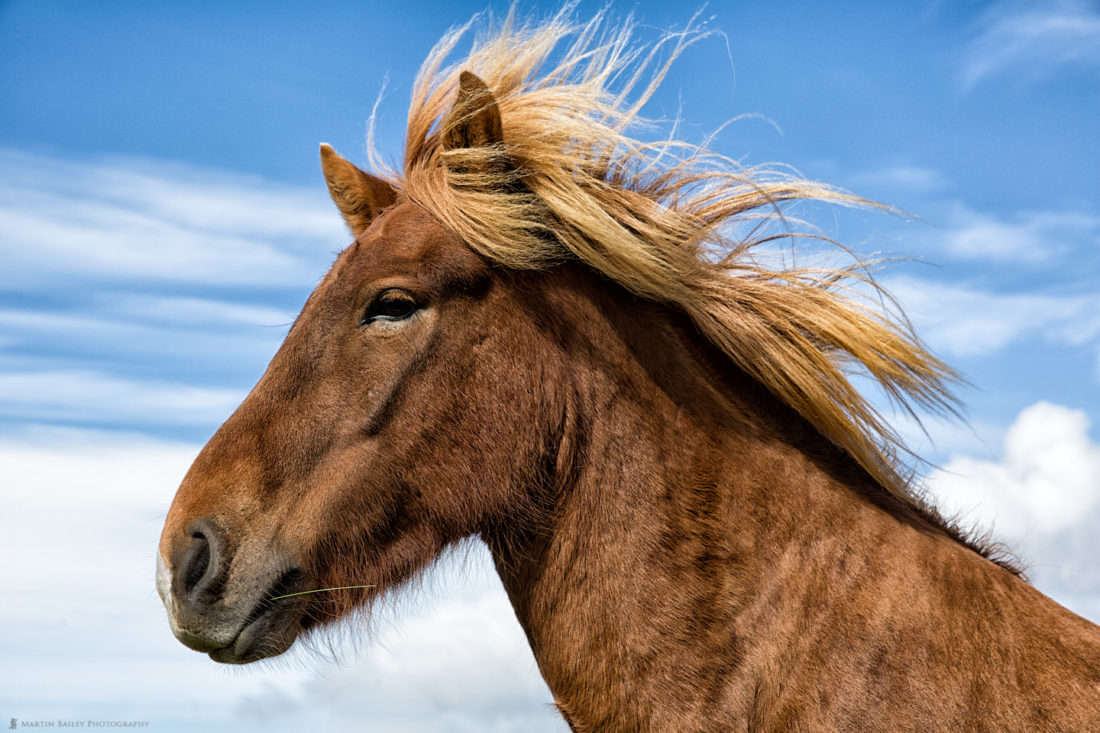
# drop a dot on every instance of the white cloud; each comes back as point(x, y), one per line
point(86, 396)
point(1026, 238)
point(135, 220)
point(99, 244)
point(134, 360)
point(82, 515)
point(1042, 496)
point(903, 177)
point(1033, 41)
point(935, 438)
point(962, 321)
point(85, 631)
point(1046, 479)
point(169, 326)
point(985, 237)
point(83, 512)
point(188, 311)
point(459, 662)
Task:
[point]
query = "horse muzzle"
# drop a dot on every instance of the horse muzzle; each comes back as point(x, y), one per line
point(234, 610)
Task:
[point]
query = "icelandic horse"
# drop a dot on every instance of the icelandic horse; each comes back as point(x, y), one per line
point(556, 338)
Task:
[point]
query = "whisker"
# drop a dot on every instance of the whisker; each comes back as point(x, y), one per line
point(319, 590)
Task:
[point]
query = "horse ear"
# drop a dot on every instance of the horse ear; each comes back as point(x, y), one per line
point(474, 121)
point(359, 196)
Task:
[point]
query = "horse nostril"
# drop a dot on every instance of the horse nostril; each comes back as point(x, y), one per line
point(197, 561)
point(199, 570)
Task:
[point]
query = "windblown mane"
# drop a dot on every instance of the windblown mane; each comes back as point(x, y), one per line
point(570, 181)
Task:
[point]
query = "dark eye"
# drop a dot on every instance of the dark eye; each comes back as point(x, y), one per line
point(392, 305)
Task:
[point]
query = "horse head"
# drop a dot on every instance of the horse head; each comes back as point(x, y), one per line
point(409, 407)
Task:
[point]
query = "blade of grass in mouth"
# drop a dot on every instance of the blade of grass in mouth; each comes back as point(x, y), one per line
point(319, 590)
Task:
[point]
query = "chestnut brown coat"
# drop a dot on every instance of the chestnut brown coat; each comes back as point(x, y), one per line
point(699, 522)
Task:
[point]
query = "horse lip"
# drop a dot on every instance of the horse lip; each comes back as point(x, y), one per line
point(251, 643)
point(260, 637)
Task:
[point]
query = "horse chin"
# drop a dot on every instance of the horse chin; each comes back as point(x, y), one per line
point(267, 632)
point(270, 627)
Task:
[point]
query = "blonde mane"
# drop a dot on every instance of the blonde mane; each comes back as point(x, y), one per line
point(570, 181)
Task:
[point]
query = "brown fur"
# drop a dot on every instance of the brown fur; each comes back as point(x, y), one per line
point(685, 547)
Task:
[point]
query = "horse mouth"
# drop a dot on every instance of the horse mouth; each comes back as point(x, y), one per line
point(270, 627)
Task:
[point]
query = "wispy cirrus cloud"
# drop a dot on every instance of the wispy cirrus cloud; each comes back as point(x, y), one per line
point(190, 311)
point(77, 396)
point(137, 361)
point(1027, 237)
point(962, 320)
point(961, 231)
point(902, 177)
point(1033, 40)
point(142, 293)
point(133, 220)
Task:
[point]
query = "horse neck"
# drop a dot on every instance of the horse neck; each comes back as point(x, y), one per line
point(695, 518)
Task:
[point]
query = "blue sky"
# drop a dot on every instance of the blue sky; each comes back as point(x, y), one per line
point(162, 218)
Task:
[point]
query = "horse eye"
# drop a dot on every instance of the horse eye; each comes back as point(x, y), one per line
point(390, 306)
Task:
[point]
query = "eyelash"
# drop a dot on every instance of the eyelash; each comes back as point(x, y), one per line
point(390, 306)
